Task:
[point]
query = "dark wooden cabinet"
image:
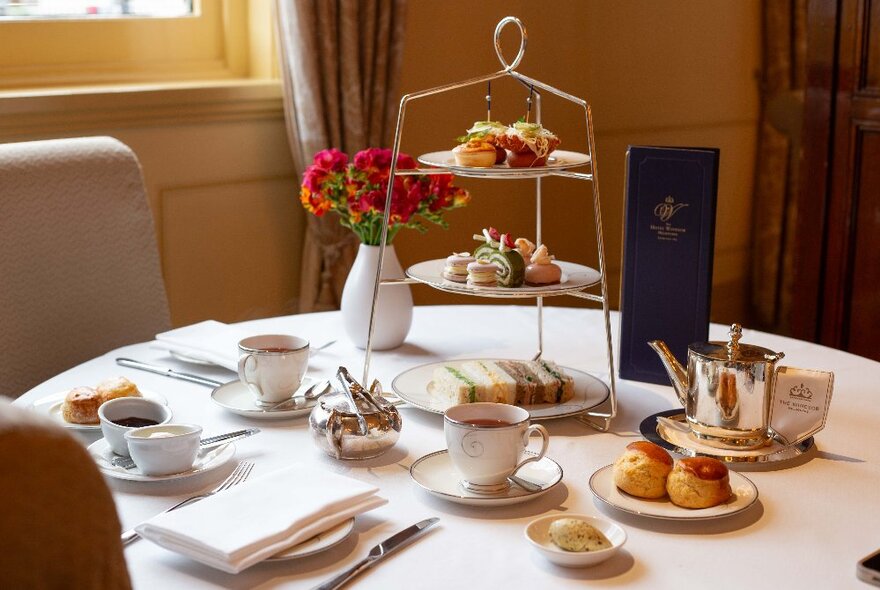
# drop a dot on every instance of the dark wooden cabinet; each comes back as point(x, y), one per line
point(836, 287)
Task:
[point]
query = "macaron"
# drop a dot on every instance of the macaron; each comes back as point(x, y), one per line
point(456, 267)
point(481, 273)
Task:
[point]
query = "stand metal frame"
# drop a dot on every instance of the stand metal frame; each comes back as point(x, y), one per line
point(601, 420)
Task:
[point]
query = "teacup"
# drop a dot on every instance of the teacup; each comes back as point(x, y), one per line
point(272, 366)
point(122, 414)
point(487, 442)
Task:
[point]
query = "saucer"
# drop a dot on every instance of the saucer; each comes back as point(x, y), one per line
point(320, 542)
point(238, 399)
point(436, 475)
point(205, 461)
point(686, 443)
point(602, 485)
point(51, 406)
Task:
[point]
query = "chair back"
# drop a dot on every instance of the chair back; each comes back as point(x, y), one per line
point(79, 265)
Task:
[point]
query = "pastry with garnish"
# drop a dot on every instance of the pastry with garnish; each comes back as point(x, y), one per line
point(475, 153)
point(456, 267)
point(500, 249)
point(541, 270)
point(527, 144)
point(481, 273)
point(487, 131)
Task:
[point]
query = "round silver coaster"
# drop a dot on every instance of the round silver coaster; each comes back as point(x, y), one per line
point(685, 443)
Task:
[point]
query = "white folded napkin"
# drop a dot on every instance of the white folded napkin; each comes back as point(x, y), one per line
point(244, 525)
point(210, 341)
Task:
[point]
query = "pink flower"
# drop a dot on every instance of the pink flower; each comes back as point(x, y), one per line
point(331, 160)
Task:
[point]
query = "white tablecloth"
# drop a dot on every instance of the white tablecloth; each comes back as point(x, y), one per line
point(813, 521)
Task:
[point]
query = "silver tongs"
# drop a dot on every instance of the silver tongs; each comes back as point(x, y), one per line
point(354, 390)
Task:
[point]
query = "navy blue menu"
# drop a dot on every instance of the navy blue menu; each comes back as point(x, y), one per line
point(669, 237)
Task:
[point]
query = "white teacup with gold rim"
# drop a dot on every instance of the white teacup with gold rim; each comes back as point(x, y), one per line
point(487, 443)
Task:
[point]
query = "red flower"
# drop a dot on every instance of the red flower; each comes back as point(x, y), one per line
point(331, 160)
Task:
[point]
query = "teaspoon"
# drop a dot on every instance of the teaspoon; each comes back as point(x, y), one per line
point(313, 392)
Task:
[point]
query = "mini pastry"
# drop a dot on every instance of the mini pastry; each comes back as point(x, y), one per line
point(698, 482)
point(456, 267)
point(527, 144)
point(642, 470)
point(481, 273)
point(541, 270)
point(487, 131)
point(81, 406)
point(118, 387)
point(500, 249)
point(571, 534)
point(476, 153)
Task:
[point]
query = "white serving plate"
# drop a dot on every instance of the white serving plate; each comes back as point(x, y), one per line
point(602, 485)
point(51, 406)
point(575, 277)
point(414, 387)
point(559, 160)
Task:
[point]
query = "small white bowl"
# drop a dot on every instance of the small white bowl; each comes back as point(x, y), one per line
point(128, 407)
point(164, 449)
point(538, 534)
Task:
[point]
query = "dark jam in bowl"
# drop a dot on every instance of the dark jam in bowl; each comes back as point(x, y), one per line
point(134, 422)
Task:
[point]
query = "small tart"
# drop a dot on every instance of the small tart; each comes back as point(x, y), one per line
point(476, 153)
point(482, 273)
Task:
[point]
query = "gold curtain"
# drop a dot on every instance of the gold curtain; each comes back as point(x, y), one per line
point(340, 63)
point(776, 170)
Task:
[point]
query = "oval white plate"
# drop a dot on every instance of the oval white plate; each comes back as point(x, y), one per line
point(575, 277)
point(602, 484)
point(205, 461)
point(318, 543)
point(436, 475)
point(558, 160)
point(237, 398)
point(51, 406)
point(413, 386)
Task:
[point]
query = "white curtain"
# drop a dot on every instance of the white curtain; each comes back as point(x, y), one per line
point(341, 62)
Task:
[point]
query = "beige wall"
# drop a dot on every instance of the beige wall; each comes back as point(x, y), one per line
point(655, 73)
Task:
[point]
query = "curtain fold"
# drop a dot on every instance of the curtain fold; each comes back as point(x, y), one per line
point(340, 64)
point(776, 169)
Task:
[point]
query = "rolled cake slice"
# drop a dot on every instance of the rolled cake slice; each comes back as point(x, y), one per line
point(498, 386)
point(511, 267)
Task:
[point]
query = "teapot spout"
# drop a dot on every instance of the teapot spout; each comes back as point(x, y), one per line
point(677, 373)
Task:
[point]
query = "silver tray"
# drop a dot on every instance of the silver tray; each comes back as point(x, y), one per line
point(655, 432)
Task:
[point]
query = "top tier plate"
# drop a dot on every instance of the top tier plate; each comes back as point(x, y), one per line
point(558, 160)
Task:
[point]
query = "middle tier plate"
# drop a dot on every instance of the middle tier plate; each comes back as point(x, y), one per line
point(414, 386)
point(575, 277)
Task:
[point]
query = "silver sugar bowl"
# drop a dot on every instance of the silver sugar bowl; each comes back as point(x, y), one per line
point(354, 423)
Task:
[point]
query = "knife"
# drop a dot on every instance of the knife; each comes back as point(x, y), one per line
point(383, 549)
point(204, 445)
point(168, 372)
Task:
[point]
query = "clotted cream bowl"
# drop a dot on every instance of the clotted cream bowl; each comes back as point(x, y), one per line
point(537, 533)
point(164, 449)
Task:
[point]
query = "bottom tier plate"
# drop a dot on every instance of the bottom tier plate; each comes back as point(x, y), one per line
point(413, 386)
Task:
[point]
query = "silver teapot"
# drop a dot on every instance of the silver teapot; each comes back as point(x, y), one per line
point(355, 423)
point(726, 391)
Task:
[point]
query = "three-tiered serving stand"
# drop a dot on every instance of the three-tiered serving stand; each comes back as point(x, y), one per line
point(599, 419)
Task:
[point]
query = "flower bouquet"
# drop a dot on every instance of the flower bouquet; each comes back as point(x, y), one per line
point(356, 192)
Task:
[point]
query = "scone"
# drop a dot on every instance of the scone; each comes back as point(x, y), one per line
point(81, 406)
point(118, 387)
point(642, 470)
point(698, 482)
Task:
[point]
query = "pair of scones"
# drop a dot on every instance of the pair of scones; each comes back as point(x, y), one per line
point(646, 470)
point(81, 403)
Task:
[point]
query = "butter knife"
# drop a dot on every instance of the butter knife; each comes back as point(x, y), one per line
point(383, 549)
point(168, 372)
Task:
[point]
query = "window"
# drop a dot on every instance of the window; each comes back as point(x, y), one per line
point(45, 9)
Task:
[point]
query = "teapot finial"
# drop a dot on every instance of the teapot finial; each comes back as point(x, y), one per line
point(735, 334)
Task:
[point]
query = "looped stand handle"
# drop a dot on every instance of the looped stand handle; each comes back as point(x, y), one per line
point(523, 39)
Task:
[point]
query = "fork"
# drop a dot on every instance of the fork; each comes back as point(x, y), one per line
point(241, 473)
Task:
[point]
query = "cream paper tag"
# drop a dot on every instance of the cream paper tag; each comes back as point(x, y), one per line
point(800, 403)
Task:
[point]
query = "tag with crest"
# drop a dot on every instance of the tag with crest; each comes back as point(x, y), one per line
point(800, 403)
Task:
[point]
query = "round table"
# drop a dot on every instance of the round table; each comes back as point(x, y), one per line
point(814, 518)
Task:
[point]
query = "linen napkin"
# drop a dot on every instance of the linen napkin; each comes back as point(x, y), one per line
point(210, 341)
point(244, 525)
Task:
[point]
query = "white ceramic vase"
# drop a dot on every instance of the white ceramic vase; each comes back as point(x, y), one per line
point(394, 311)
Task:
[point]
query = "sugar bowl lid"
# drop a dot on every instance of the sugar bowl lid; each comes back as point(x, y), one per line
point(732, 350)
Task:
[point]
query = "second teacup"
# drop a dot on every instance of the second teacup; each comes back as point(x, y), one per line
point(272, 366)
point(487, 442)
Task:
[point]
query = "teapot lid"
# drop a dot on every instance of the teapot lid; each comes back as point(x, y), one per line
point(732, 350)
